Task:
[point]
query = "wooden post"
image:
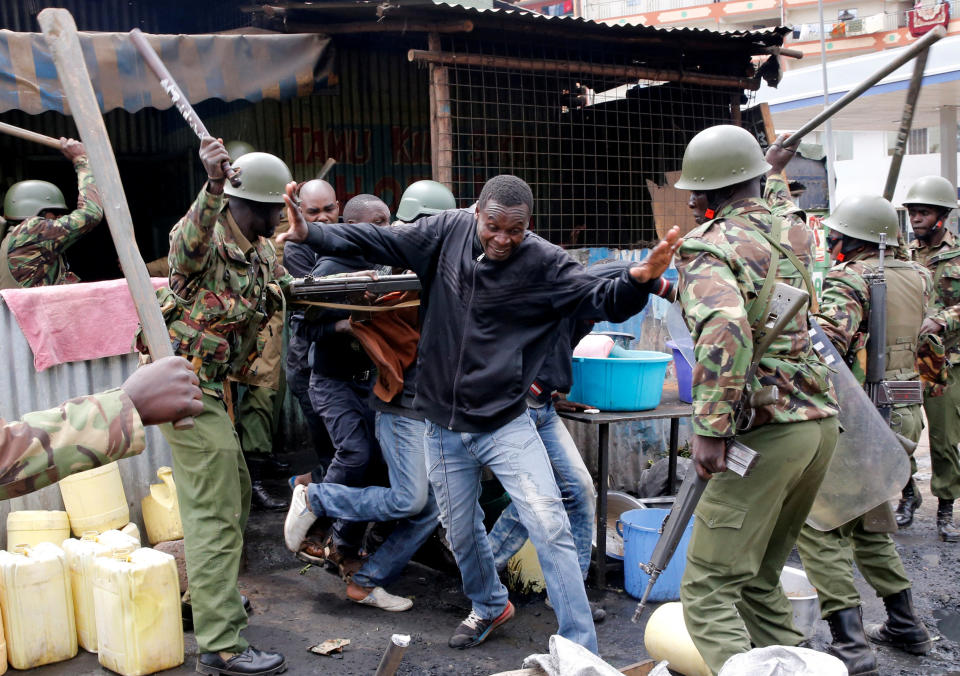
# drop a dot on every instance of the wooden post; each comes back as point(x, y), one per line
point(735, 108)
point(28, 135)
point(441, 131)
point(60, 32)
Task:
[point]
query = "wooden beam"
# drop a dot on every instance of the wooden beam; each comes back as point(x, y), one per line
point(625, 73)
point(388, 26)
point(441, 132)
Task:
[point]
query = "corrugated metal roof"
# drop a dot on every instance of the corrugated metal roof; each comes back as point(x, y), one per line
point(518, 18)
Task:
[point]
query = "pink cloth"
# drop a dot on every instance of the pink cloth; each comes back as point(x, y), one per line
point(76, 322)
point(594, 345)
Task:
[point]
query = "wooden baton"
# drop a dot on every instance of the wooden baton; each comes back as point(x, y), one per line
point(28, 135)
point(176, 95)
point(60, 32)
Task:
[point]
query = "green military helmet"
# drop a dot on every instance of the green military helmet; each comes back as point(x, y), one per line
point(26, 199)
point(263, 178)
point(933, 190)
point(865, 217)
point(721, 156)
point(425, 198)
point(237, 149)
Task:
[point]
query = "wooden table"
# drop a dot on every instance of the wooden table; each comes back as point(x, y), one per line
point(670, 408)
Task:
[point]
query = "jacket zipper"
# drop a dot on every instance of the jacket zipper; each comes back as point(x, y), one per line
point(463, 338)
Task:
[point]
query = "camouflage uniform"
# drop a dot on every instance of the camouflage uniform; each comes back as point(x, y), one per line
point(32, 252)
point(78, 435)
point(217, 302)
point(745, 527)
point(828, 557)
point(944, 262)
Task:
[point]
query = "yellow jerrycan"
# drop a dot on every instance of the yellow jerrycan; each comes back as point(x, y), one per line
point(80, 555)
point(161, 510)
point(32, 526)
point(95, 500)
point(3, 651)
point(666, 638)
point(37, 606)
point(136, 599)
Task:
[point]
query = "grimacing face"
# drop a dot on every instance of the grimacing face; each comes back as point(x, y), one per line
point(501, 229)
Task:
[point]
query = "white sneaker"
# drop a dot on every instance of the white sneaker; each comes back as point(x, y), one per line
point(384, 600)
point(298, 521)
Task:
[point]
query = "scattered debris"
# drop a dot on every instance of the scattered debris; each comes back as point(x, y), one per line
point(332, 647)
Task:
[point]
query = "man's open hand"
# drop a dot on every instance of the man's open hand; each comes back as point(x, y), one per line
point(298, 224)
point(660, 257)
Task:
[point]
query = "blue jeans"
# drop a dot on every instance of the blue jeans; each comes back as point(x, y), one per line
point(576, 488)
point(515, 454)
point(409, 498)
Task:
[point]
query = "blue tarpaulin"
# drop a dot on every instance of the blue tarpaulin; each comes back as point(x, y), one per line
point(228, 67)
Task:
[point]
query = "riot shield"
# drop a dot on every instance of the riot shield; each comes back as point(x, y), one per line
point(869, 465)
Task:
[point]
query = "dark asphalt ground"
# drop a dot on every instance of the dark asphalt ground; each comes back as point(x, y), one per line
point(294, 609)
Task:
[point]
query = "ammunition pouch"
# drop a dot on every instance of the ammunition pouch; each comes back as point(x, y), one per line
point(899, 393)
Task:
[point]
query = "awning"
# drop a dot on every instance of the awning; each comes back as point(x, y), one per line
point(227, 67)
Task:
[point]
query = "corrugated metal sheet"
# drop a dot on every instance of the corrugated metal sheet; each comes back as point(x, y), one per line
point(376, 124)
point(22, 390)
point(170, 16)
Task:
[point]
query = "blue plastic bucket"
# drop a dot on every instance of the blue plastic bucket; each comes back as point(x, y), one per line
point(641, 530)
point(684, 374)
point(633, 382)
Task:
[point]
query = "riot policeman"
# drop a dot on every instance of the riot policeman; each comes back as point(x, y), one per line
point(929, 202)
point(858, 227)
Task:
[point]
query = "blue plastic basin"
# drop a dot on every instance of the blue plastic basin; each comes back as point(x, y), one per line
point(633, 382)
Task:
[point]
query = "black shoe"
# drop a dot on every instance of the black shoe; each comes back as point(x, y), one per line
point(850, 644)
point(475, 630)
point(186, 612)
point(910, 500)
point(251, 662)
point(945, 528)
point(261, 499)
point(903, 629)
point(275, 469)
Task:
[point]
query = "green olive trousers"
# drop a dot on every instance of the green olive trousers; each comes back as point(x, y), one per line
point(213, 487)
point(828, 557)
point(943, 414)
point(743, 532)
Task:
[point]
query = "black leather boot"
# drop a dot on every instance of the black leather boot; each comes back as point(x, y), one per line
point(903, 629)
point(260, 498)
point(945, 528)
point(910, 500)
point(850, 644)
point(251, 662)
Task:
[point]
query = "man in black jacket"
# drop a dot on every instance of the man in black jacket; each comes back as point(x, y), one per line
point(493, 297)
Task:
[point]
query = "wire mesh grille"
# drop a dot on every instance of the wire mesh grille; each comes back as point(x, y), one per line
point(595, 149)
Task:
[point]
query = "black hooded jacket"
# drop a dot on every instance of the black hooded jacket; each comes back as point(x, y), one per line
point(487, 325)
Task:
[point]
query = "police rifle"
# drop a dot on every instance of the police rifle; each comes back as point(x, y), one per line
point(885, 394)
point(785, 303)
point(331, 289)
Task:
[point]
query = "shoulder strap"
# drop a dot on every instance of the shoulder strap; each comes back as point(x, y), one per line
point(774, 239)
point(759, 306)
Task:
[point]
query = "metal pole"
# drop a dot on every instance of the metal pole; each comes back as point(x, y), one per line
point(831, 156)
point(906, 122)
point(919, 46)
point(948, 153)
point(393, 656)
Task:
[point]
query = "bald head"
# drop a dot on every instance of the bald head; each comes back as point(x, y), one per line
point(318, 201)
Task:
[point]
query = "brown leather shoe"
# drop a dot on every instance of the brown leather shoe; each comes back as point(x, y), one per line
point(346, 564)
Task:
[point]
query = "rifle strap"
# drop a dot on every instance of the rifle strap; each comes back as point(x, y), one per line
point(359, 308)
point(759, 307)
point(773, 238)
